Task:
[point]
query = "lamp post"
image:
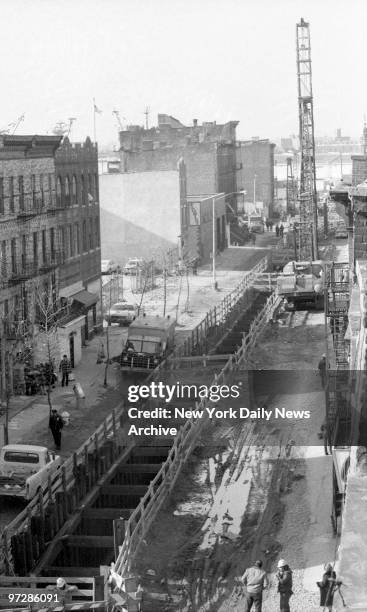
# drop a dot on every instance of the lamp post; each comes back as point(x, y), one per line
point(213, 246)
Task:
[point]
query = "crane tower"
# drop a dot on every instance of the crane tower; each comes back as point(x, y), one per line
point(308, 247)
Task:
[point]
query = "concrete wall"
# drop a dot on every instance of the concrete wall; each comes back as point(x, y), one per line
point(150, 200)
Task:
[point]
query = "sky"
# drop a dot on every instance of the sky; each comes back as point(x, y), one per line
point(205, 59)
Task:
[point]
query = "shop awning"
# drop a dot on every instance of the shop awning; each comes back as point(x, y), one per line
point(85, 298)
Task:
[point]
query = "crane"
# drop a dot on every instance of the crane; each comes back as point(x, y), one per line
point(12, 127)
point(116, 113)
point(308, 247)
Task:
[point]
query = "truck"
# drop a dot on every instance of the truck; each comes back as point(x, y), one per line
point(302, 282)
point(149, 340)
point(25, 470)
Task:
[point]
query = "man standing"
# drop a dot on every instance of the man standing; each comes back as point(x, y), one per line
point(255, 581)
point(56, 424)
point(65, 369)
point(284, 576)
point(322, 370)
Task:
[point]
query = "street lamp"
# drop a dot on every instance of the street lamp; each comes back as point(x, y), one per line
point(214, 198)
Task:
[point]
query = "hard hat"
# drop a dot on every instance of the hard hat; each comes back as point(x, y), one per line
point(281, 563)
point(60, 583)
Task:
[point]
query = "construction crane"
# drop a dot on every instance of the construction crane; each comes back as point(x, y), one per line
point(291, 188)
point(116, 113)
point(308, 247)
point(11, 128)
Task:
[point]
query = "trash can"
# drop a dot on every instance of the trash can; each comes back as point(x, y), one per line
point(79, 395)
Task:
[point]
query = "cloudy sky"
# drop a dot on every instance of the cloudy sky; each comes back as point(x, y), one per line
point(205, 59)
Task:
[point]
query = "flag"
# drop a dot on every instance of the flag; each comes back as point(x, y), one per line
point(96, 109)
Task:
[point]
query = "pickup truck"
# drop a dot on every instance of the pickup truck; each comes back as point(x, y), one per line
point(25, 470)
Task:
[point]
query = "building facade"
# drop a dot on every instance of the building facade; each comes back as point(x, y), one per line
point(47, 244)
point(78, 217)
point(255, 174)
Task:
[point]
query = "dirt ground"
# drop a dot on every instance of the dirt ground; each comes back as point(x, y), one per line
point(251, 490)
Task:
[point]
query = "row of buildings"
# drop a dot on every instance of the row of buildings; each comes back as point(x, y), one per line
point(50, 258)
point(178, 171)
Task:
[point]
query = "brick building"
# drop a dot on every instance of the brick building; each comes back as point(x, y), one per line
point(255, 163)
point(39, 254)
point(77, 214)
point(208, 150)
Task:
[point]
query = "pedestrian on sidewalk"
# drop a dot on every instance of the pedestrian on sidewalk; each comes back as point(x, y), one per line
point(277, 230)
point(281, 230)
point(65, 369)
point(56, 424)
point(255, 581)
point(326, 436)
point(285, 583)
point(322, 370)
point(328, 586)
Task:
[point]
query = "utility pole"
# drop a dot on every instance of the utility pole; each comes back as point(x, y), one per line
point(146, 113)
point(308, 195)
point(214, 249)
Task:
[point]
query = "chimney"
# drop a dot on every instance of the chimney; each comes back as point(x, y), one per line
point(195, 122)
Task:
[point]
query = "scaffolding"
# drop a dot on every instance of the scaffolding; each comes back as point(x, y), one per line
point(291, 188)
point(337, 389)
point(308, 248)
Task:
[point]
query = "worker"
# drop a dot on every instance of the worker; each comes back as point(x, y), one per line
point(322, 370)
point(255, 581)
point(328, 586)
point(56, 424)
point(326, 436)
point(284, 577)
point(63, 592)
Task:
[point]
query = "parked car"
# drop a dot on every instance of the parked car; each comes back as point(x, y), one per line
point(256, 225)
point(122, 313)
point(110, 267)
point(26, 469)
point(133, 265)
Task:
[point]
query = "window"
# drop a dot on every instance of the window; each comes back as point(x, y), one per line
point(90, 241)
point(63, 241)
point(21, 457)
point(1, 196)
point(11, 194)
point(44, 246)
point(33, 188)
point(84, 234)
point(35, 248)
point(90, 188)
point(96, 232)
point(52, 243)
point(41, 192)
point(13, 251)
point(71, 241)
point(58, 192)
point(50, 190)
point(21, 192)
point(74, 190)
point(24, 251)
point(77, 239)
point(67, 191)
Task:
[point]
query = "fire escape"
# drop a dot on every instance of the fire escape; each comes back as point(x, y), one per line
point(307, 248)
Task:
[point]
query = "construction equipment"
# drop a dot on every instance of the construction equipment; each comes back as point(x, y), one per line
point(291, 188)
point(11, 128)
point(301, 282)
point(116, 113)
point(308, 246)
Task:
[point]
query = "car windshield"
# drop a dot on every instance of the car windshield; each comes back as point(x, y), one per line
point(143, 346)
point(123, 307)
point(21, 457)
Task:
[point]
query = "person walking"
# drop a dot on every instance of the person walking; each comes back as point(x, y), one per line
point(56, 424)
point(65, 369)
point(328, 586)
point(326, 436)
point(285, 583)
point(281, 230)
point(277, 230)
point(255, 581)
point(322, 370)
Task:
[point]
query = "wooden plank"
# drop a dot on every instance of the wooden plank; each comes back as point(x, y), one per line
point(85, 541)
point(107, 513)
point(73, 574)
point(37, 579)
point(112, 489)
point(139, 468)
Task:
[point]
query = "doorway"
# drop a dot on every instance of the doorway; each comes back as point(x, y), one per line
point(71, 349)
